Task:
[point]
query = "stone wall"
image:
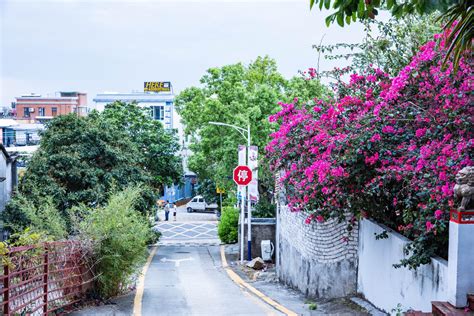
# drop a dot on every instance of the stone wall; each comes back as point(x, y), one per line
point(316, 258)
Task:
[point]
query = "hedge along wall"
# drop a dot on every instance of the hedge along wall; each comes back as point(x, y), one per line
point(385, 286)
point(319, 259)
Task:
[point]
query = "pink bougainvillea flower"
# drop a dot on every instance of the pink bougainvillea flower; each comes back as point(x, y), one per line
point(429, 226)
point(375, 138)
point(420, 132)
point(388, 129)
point(372, 159)
point(438, 214)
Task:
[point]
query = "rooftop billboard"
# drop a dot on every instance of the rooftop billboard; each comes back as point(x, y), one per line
point(157, 86)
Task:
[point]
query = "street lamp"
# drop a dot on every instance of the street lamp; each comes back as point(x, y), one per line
point(242, 132)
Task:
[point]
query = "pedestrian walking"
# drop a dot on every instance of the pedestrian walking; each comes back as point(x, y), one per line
point(167, 210)
point(174, 211)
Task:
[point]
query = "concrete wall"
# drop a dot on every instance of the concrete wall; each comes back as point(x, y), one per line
point(262, 229)
point(461, 263)
point(385, 286)
point(314, 258)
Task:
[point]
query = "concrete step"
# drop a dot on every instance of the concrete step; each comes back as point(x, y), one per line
point(446, 309)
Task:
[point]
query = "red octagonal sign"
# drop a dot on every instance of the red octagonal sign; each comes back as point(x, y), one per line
point(242, 175)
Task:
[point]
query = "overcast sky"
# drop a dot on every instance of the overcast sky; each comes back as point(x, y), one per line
point(114, 45)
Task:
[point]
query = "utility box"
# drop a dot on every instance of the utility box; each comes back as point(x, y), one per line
point(267, 250)
point(262, 229)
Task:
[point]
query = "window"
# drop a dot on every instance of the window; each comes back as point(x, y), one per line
point(26, 112)
point(158, 112)
point(54, 111)
point(41, 111)
point(195, 200)
point(201, 200)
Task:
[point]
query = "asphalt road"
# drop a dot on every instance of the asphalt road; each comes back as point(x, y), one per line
point(191, 281)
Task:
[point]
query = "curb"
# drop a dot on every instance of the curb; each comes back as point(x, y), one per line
point(240, 282)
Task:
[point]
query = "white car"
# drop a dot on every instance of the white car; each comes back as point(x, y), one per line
point(199, 204)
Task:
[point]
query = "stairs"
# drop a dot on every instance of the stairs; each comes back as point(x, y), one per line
point(446, 309)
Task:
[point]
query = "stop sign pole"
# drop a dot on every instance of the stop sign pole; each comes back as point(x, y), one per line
point(242, 176)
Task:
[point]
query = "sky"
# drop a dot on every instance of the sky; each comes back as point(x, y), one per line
point(115, 45)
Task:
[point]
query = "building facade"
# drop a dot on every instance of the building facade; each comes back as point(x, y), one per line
point(36, 108)
point(160, 104)
point(8, 181)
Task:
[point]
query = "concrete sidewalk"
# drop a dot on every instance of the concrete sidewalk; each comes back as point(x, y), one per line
point(267, 283)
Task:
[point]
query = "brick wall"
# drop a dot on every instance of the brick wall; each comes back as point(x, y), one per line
point(322, 242)
point(315, 258)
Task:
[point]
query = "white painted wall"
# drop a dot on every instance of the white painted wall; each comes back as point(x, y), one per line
point(385, 286)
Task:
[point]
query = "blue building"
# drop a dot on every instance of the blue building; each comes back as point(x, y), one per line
point(162, 108)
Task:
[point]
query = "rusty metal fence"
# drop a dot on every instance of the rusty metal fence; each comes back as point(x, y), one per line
point(43, 280)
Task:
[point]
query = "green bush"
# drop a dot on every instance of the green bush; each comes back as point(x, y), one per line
point(41, 217)
point(47, 218)
point(228, 226)
point(119, 235)
point(264, 209)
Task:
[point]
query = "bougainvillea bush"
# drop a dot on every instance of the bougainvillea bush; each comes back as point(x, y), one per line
point(383, 148)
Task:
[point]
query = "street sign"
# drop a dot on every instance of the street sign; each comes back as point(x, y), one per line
point(220, 190)
point(242, 175)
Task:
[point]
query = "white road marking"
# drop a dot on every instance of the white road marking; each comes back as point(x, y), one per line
point(176, 261)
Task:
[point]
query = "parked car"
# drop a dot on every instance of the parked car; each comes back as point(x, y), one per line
point(198, 203)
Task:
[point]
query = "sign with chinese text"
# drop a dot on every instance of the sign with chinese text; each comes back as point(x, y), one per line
point(242, 175)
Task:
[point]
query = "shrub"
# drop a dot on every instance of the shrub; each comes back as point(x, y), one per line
point(40, 217)
point(386, 148)
point(264, 209)
point(119, 236)
point(47, 218)
point(228, 226)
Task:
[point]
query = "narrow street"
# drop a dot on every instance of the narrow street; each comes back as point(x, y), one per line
point(186, 275)
point(184, 280)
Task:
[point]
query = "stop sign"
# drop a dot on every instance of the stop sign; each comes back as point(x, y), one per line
point(242, 175)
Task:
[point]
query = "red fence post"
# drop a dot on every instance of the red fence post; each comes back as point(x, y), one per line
point(6, 287)
point(45, 280)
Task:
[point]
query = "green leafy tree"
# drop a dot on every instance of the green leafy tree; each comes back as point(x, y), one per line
point(241, 95)
point(457, 14)
point(157, 146)
point(81, 161)
point(387, 45)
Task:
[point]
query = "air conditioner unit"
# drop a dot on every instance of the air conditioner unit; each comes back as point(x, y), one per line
point(31, 110)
